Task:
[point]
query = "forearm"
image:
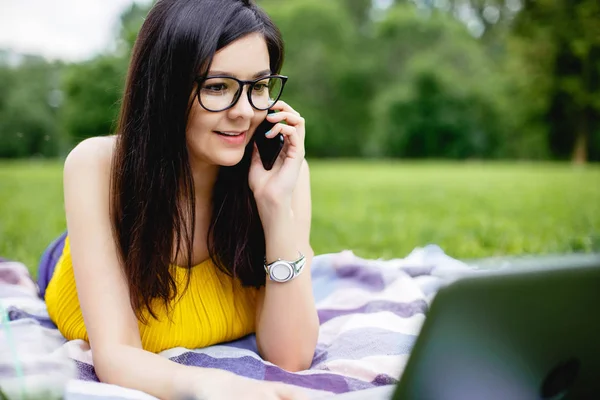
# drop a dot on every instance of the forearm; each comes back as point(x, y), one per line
point(150, 373)
point(288, 328)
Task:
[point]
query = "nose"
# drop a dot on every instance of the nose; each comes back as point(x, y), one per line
point(243, 108)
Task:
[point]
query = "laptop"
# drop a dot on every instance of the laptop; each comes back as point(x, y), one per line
point(525, 333)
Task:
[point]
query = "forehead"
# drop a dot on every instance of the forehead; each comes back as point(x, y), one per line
point(243, 58)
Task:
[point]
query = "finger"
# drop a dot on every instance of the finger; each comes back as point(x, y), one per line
point(283, 106)
point(290, 134)
point(285, 130)
point(290, 118)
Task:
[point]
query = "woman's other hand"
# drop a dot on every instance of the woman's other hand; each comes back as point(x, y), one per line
point(225, 385)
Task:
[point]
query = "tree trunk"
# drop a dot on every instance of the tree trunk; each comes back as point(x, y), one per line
point(580, 151)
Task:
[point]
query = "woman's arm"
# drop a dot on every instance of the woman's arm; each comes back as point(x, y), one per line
point(104, 297)
point(101, 285)
point(287, 323)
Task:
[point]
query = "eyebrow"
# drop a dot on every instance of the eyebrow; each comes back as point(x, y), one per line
point(257, 75)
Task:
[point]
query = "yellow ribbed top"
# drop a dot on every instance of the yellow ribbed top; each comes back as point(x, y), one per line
point(214, 309)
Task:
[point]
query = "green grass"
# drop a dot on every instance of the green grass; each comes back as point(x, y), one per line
point(31, 209)
point(377, 209)
point(471, 210)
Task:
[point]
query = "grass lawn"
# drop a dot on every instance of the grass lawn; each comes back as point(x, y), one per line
point(377, 209)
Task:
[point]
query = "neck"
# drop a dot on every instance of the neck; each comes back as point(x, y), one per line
point(205, 177)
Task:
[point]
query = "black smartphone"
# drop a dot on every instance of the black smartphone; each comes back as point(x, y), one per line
point(268, 149)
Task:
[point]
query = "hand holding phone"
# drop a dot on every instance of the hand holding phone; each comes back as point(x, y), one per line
point(268, 149)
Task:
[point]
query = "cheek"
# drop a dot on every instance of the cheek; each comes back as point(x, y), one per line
point(257, 120)
point(199, 122)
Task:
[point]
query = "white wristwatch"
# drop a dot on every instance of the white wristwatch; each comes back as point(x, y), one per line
point(284, 271)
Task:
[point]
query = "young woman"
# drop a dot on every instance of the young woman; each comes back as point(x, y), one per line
point(174, 224)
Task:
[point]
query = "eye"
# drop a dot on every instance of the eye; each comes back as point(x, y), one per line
point(261, 87)
point(215, 87)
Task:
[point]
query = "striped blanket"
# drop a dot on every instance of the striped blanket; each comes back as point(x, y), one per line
point(370, 314)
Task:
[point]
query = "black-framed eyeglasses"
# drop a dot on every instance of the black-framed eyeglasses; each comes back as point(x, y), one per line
point(220, 92)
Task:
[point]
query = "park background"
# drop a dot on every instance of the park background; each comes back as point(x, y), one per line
point(470, 124)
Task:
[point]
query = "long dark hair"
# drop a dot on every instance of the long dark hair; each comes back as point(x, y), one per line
point(152, 188)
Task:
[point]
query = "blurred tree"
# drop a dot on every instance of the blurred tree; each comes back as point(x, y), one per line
point(360, 10)
point(28, 108)
point(563, 37)
point(330, 82)
point(403, 78)
point(487, 19)
point(93, 91)
point(439, 93)
point(130, 23)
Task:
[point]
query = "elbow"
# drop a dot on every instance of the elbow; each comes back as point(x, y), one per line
point(109, 366)
point(293, 365)
point(293, 362)
point(104, 368)
point(301, 365)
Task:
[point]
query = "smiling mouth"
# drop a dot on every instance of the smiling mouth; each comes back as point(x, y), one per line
point(230, 134)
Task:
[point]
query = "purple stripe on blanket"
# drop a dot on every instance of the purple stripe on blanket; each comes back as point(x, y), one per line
point(254, 368)
point(362, 277)
point(327, 279)
point(15, 314)
point(323, 381)
point(414, 272)
point(364, 342)
point(383, 380)
point(380, 380)
point(403, 310)
point(245, 365)
point(9, 276)
point(86, 372)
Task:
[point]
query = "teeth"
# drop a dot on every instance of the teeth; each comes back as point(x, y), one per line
point(230, 134)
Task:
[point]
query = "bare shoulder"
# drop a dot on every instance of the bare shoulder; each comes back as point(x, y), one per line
point(86, 179)
point(95, 152)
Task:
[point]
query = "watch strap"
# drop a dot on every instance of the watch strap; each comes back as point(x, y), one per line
point(297, 265)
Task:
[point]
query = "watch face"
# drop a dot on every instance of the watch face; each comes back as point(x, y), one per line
point(281, 272)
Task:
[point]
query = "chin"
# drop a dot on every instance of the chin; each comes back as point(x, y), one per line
point(229, 158)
